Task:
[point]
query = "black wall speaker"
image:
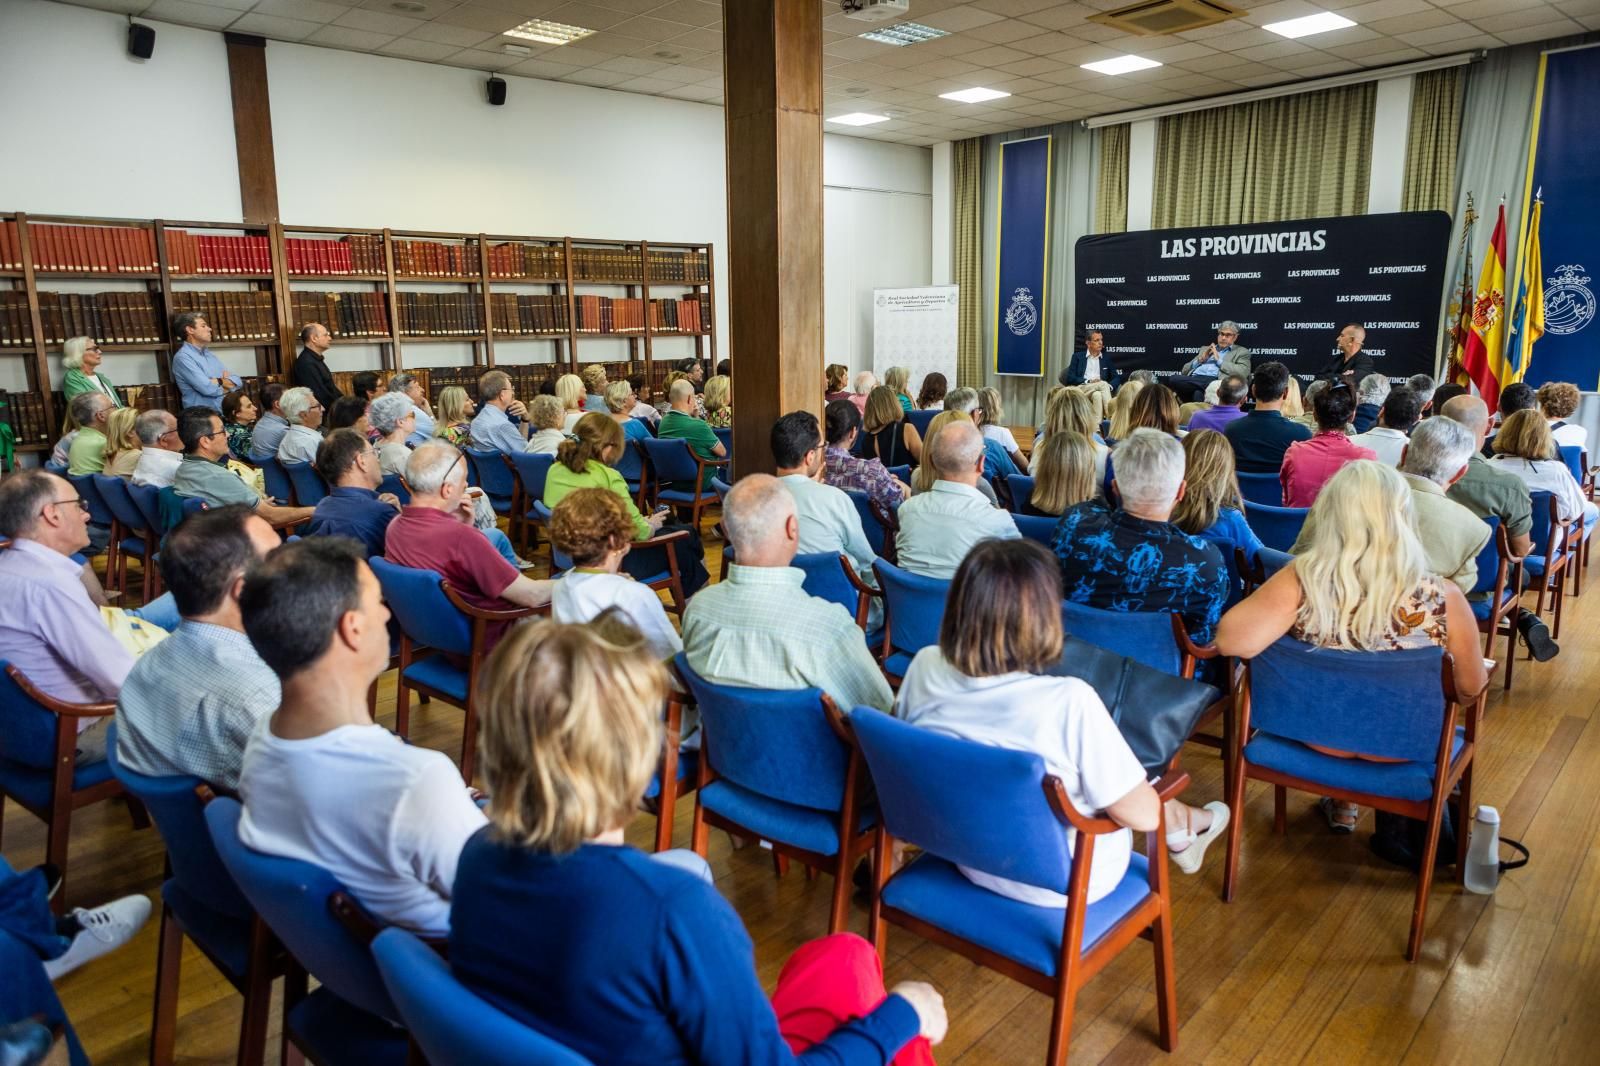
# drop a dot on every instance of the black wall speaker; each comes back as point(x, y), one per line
point(141, 41)
point(497, 91)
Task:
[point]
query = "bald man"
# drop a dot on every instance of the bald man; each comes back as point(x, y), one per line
point(939, 527)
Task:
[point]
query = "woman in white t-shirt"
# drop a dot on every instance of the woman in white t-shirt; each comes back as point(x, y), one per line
point(993, 412)
point(982, 682)
point(595, 529)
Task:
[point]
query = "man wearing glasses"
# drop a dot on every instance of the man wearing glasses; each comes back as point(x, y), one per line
point(203, 474)
point(1224, 359)
point(160, 450)
point(304, 414)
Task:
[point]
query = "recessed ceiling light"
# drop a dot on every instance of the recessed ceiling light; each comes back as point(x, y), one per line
point(1121, 65)
point(1321, 22)
point(858, 118)
point(974, 96)
point(546, 32)
point(903, 34)
point(410, 6)
point(667, 55)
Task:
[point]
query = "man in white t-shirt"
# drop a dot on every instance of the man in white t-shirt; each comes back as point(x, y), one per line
point(323, 783)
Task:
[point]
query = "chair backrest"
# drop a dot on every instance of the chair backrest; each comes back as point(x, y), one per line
point(777, 743)
point(901, 472)
point(181, 820)
point(1545, 519)
point(630, 464)
point(913, 606)
point(1143, 636)
point(1384, 703)
point(494, 476)
point(1021, 486)
point(869, 519)
point(973, 804)
point(721, 487)
point(421, 608)
point(292, 898)
point(1572, 455)
point(309, 488)
point(114, 491)
point(450, 1023)
point(725, 437)
point(99, 513)
point(1489, 561)
point(1035, 527)
point(276, 479)
point(1278, 527)
point(148, 499)
point(396, 484)
point(532, 470)
point(826, 580)
point(671, 459)
point(27, 730)
point(1261, 488)
point(922, 420)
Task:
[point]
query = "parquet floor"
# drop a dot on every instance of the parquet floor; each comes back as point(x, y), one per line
point(1305, 966)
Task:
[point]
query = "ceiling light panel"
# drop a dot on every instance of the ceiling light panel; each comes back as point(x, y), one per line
point(1121, 65)
point(858, 118)
point(903, 34)
point(546, 32)
point(976, 95)
point(1321, 22)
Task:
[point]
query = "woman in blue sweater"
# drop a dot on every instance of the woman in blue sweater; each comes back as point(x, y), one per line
point(1212, 506)
point(616, 954)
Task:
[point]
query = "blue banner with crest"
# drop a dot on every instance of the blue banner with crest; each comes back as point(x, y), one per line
point(1022, 260)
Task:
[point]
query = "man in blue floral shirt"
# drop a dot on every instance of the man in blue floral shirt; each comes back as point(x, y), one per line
point(1132, 558)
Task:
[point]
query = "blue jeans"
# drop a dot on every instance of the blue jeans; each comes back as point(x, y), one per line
point(502, 544)
point(161, 611)
point(27, 937)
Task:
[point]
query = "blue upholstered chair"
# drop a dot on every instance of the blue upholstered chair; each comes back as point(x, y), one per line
point(901, 472)
point(1261, 488)
point(672, 460)
point(451, 633)
point(829, 576)
point(631, 466)
point(1036, 528)
point(1552, 553)
point(922, 420)
point(350, 1018)
point(309, 488)
point(880, 524)
point(199, 900)
point(725, 438)
point(999, 811)
point(496, 479)
point(1576, 459)
point(1494, 598)
point(1021, 486)
point(913, 610)
point(1572, 456)
point(778, 765)
point(130, 535)
point(447, 1021)
point(276, 480)
point(1399, 705)
point(396, 484)
point(1278, 527)
point(38, 739)
point(530, 471)
point(669, 579)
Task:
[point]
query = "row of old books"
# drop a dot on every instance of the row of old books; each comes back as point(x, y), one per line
point(60, 249)
point(358, 253)
point(196, 253)
point(688, 314)
point(346, 314)
point(606, 264)
point(108, 317)
point(435, 259)
point(516, 313)
point(441, 314)
point(679, 266)
point(613, 314)
point(537, 262)
point(25, 412)
point(232, 316)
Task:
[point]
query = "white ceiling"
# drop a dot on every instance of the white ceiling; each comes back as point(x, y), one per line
point(1030, 48)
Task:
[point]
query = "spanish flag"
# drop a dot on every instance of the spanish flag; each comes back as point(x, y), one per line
point(1527, 316)
point(1486, 332)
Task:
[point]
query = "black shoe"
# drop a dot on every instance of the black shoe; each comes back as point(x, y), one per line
point(1537, 636)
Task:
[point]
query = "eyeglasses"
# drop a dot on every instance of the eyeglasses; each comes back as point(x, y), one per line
point(82, 503)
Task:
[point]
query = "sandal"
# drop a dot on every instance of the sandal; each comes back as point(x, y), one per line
point(1189, 859)
point(1342, 817)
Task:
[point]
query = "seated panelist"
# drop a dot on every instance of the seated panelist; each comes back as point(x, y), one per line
point(1223, 359)
point(1091, 371)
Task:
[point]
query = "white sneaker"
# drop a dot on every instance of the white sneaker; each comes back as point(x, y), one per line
point(104, 929)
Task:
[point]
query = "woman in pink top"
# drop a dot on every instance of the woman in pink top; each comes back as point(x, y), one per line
point(1308, 464)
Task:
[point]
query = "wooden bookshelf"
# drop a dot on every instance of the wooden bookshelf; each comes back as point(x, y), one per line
point(554, 285)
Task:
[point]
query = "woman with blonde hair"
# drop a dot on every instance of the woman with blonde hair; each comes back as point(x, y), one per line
point(594, 387)
point(122, 442)
point(1293, 406)
point(1063, 474)
point(897, 379)
point(719, 407)
point(1122, 410)
point(594, 528)
point(634, 957)
point(620, 401)
point(1360, 583)
point(455, 410)
point(1156, 407)
point(1524, 447)
point(891, 439)
point(923, 477)
point(994, 413)
point(570, 391)
point(1212, 506)
point(1072, 411)
point(545, 417)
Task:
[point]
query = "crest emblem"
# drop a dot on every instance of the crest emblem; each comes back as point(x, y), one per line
point(1568, 303)
point(1486, 310)
point(1022, 316)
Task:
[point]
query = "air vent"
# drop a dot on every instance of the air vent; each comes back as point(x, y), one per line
point(1157, 18)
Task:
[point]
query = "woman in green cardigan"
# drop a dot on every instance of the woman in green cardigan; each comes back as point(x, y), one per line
point(584, 461)
point(80, 357)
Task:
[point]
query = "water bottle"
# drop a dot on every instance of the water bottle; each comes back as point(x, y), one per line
point(1483, 852)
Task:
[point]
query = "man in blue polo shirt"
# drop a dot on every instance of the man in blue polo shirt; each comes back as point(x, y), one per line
point(202, 379)
point(1261, 436)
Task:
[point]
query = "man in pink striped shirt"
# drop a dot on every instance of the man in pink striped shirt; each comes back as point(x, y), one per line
point(1308, 464)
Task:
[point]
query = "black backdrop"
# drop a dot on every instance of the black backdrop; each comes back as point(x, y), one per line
point(1158, 295)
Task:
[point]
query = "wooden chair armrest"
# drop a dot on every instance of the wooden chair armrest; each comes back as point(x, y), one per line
point(489, 614)
point(365, 928)
point(855, 579)
point(1186, 645)
point(838, 722)
point(662, 538)
point(1172, 783)
point(55, 706)
point(1056, 794)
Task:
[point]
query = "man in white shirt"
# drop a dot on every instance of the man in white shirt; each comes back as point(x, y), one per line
point(321, 781)
point(304, 412)
point(1388, 438)
point(829, 521)
point(160, 448)
point(939, 527)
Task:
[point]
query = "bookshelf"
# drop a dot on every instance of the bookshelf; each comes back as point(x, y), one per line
point(528, 304)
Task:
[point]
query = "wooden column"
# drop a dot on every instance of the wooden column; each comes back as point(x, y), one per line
point(252, 128)
point(772, 70)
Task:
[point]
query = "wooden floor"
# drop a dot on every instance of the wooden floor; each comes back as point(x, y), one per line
point(1305, 966)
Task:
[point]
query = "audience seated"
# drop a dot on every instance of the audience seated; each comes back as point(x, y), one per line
point(190, 704)
point(1451, 535)
point(1447, 392)
point(1422, 386)
point(1212, 507)
point(1072, 410)
point(421, 410)
point(366, 385)
point(835, 376)
point(628, 957)
point(923, 477)
point(122, 442)
point(1063, 474)
point(939, 527)
point(1308, 464)
point(997, 464)
point(90, 410)
point(930, 396)
point(862, 387)
point(352, 508)
point(717, 398)
point(492, 428)
point(595, 383)
point(993, 427)
point(1155, 407)
point(1229, 408)
point(160, 451)
point(203, 473)
point(760, 628)
point(315, 614)
point(620, 403)
point(829, 521)
point(890, 437)
point(1370, 395)
point(1120, 412)
point(303, 411)
point(1525, 448)
point(1387, 439)
point(394, 417)
point(1360, 583)
point(545, 416)
point(1558, 400)
point(1262, 436)
point(456, 409)
point(594, 528)
point(642, 407)
point(349, 412)
point(239, 416)
point(1517, 396)
point(842, 469)
point(681, 423)
point(572, 394)
point(271, 426)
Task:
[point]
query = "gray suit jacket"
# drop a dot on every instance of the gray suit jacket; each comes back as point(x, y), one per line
point(1236, 363)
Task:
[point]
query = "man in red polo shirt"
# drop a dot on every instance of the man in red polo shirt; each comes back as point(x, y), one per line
point(1308, 464)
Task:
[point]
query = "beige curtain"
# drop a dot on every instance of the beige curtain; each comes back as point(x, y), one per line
point(967, 237)
point(1432, 141)
point(1287, 157)
point(1111, 185)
